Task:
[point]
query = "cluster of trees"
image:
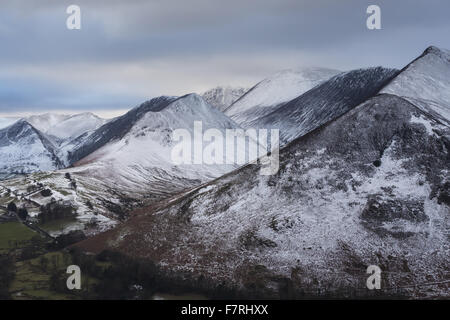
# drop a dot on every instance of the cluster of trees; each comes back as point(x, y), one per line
point(68, 239)
point(130, 278)
point(55, 210)
point(21, 212)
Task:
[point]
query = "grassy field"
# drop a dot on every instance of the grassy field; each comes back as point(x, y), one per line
point(58, 224)
point(32, 282)
point(12, 233)
point(32, 278)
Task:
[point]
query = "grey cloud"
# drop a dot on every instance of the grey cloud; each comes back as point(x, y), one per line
point(139, 48)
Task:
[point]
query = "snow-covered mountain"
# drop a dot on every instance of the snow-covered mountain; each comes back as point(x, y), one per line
point(58, 134)
point(272, 92)
point(325, 102)
point(66, 127)
point(130, 157)
point(115, 129)
point(223, 97)
point(43, 122)
point(24, 149)
point(138, 156)
point(370, 187)
point(425, 82)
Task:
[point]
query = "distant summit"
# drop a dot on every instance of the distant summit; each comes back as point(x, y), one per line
point(223, 97)
point(275, 90)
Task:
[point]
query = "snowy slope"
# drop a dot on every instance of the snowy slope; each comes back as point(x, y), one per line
point(66, 127)
point(113, 130)
point(270, 93)
point(426, 82)
point(223, 97)
point(75, 125)
point(127, 162)
point(44, 122)
point(369, 188)
point(140, 159)
point(325, 102)
point(24, 149)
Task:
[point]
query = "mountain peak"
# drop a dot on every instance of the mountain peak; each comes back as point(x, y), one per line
point(155, 104)
point(86, 114)
point(21, 123)
point(222, 97)
point(425, 82)
point(442, 53)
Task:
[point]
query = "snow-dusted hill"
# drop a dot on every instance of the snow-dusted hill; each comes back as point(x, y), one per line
point(270, 93)
point(223, 97)
point(44, 122)
point(58, 134)
point(24, 149)
point(127, 161)
point(114, 129)
point(325, 102)
point(368, 188)
point(75, 125)
point(139, 158)
point(426, 83)
point(66, 127)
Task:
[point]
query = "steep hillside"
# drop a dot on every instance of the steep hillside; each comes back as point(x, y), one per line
point(115, 129)
point(325, 102)
point(368, 188)
point(425, 82)
point(139, 162)
point(24, 149)
point(44, 122)
point(74, 126)
point(272, 92)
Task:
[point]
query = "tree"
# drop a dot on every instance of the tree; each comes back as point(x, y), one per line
point(23, 213)
point(68, 177)
point(12, 207)
point(46, 193)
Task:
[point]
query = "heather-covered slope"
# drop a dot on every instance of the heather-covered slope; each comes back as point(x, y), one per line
point(368, 188)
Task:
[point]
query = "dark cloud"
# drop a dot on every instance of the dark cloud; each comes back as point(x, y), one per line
point(140, 48)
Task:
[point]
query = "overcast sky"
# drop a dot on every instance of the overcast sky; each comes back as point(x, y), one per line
point(130, 51)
